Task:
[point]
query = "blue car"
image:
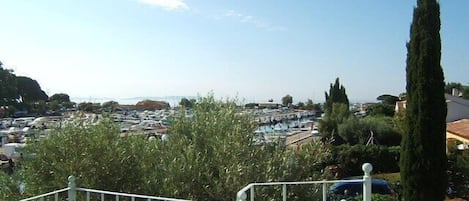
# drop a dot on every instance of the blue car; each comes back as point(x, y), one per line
point(345, 190)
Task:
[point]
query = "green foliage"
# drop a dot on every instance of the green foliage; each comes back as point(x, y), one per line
point(151, 105)
point(9, 186)
point(8, 87)
point(20, 92)
point(458, 172)
point(39, 107)
point(109, 106)
point(209, 156)
point(375, 197)
point(29, 90)
point(453, 85)
point(187, 103)
point(465, 93)
point(385, 108)
point(88, 107)
point(60, 98)
point(287, 100)
point(336, 94)
point(54, 105)
point(337, 110)
point(423, 149)
point(381, 109)
point(217, 142)
point(388, 99)
point(456, 85)
point(318, 107)
point(96, 155)
point(300, 105)
point(309, 105)
point(250, 105)
point(328, 126)
point(349, 159)
point(68, 104)
point(399, 121)
point(358, 131)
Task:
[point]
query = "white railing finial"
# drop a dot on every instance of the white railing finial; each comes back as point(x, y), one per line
point(72, 189)
point(367, 168)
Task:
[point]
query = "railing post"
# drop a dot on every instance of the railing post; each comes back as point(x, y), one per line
point(367, 181)
point(284, 192)
point(324, 191)
point(72, 192)
point(252, 193)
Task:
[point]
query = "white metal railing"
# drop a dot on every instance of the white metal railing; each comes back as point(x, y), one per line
point(242, 195)
point(72, 191)
point(117, 196)
point(54, 194)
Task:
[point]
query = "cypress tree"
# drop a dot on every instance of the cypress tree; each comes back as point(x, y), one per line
point(336, 109)
point(423, 148)
point(336, 94)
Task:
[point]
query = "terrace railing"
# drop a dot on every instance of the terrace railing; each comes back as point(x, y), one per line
point(249, 190)
point(70, 194)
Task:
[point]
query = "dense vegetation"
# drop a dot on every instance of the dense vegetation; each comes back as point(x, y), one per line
point(24, 94)
point(351, 157)
point(423, 150)
point(462, 89)
point(458, 169)
point(209, 156)
point(336, 95)
point(336, 110)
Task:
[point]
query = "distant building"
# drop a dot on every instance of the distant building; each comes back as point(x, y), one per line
point(400, 106)
point(458, 108)
point(457, 133)
point(365, 106)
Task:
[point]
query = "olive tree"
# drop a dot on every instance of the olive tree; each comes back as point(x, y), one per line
point(207, 156)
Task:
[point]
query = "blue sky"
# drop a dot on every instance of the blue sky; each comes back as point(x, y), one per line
point(253, 50)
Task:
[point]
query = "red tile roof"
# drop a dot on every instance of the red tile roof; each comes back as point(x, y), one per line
point(460, 128)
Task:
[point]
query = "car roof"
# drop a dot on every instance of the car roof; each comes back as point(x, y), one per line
point(378, 185)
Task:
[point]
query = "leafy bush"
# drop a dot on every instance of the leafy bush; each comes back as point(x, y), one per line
point(458, 172)
point(375, 197)
point(95, 154)
point(9, 186)
point(350, 158)
point(209, 156)
point(358, 131)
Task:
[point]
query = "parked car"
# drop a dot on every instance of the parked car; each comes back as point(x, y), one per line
point(315, 131)
point(346, 190)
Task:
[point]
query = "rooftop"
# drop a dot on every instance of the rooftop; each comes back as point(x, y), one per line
point(460, 128)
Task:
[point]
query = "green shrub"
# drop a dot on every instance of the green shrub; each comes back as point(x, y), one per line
point(95, 154)
point(350, 158)
point(375, 197)
point(358, 130)
point(209, 156)
point(458, 172)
